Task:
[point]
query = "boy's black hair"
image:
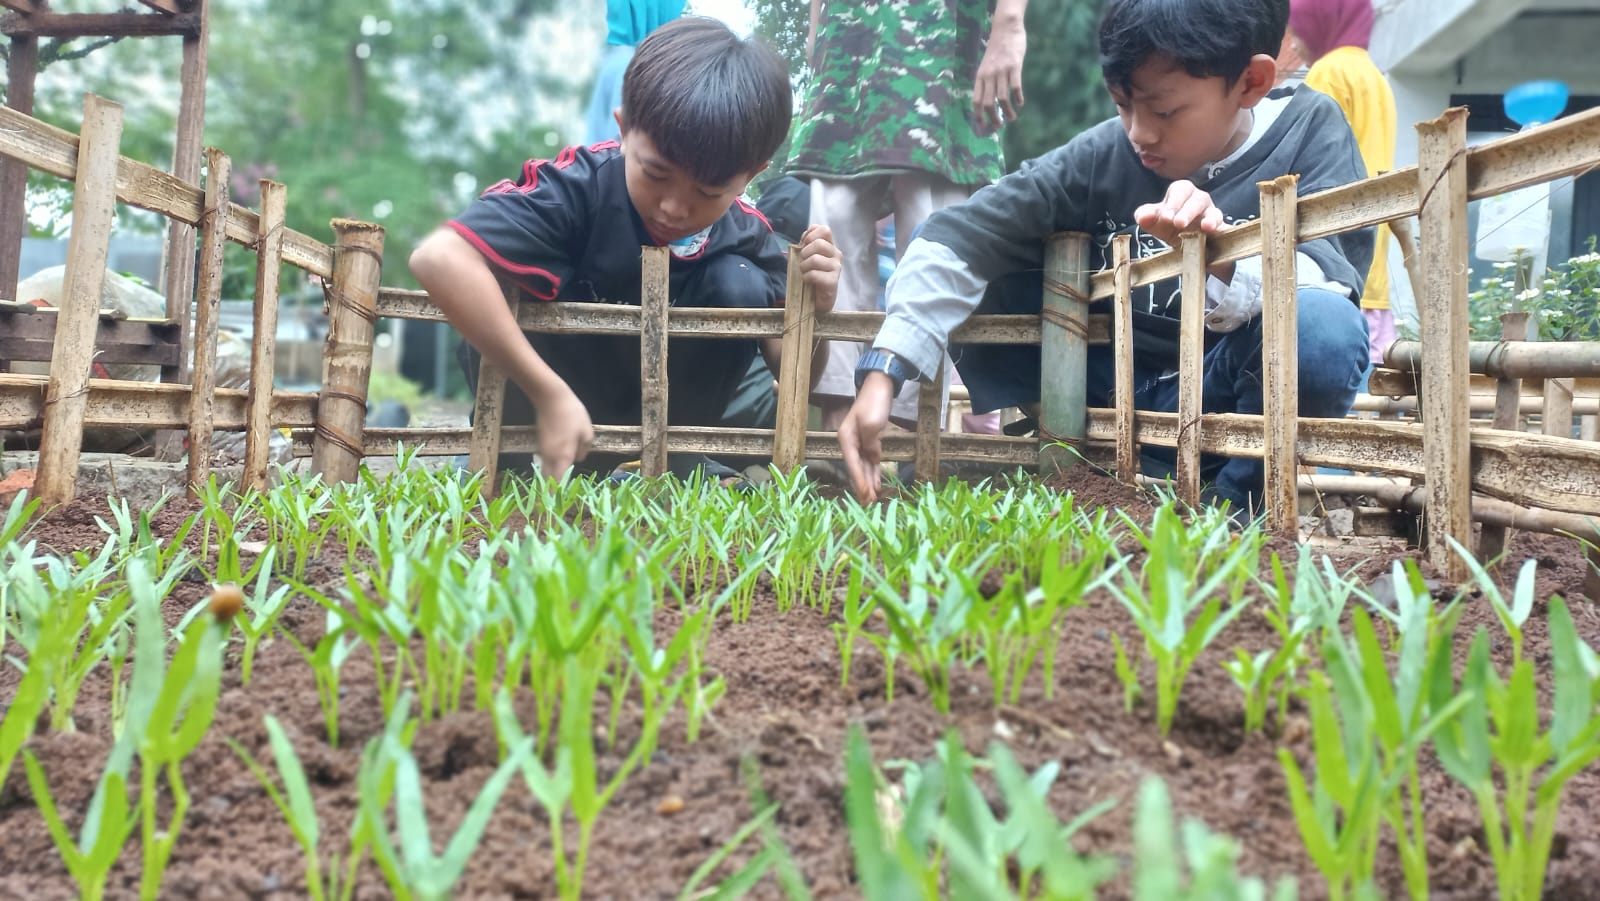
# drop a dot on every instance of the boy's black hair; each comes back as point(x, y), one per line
point(714, 105)
point(1208, 38)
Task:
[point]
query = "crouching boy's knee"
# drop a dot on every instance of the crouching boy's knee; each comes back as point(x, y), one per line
point(1333, 353)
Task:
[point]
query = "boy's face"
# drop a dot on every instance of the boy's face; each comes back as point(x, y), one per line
point(672, 204)
point(1178, 122)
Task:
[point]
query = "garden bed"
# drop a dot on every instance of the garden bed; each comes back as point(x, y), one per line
point(781, 727)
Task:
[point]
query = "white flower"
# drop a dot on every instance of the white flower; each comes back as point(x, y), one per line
point(1529, 294)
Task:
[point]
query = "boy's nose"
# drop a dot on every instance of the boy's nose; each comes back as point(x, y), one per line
point(1141, 132)
point(673, 207)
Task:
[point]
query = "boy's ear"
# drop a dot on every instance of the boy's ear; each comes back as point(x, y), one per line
point(1257, 80)
point(617, 115)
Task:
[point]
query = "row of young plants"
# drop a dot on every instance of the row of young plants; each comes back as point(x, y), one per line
point(473, 601)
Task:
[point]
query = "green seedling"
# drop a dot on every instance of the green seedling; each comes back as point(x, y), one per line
point(262, 608)
point(299, 810)
point(30, 699)
point(929, 624)
point(327, 659)
point(106, 827)
point(1499, 730)
point(1270, 676)
point(1174, 601)
point(1194, 864)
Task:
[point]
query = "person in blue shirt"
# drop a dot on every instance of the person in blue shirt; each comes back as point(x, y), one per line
point(627, 23)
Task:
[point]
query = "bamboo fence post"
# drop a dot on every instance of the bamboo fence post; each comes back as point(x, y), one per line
point(94, 198)
point(1122, 350)
point(203, 376)
point(1064, 348)
point(179, 280)
point(1442, 187)
point(1280, 352)
point(794, 369)
point(1191, 362)
point(1507, 415)
point(264, 334)
point(347, 353)
point(1407, 236)
point(929, 425)
point(488, 413)
point(1557, 416)
point(22, 68)
point(653, 306)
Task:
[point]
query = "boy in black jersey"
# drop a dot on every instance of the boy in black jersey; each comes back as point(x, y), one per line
point(702, 112)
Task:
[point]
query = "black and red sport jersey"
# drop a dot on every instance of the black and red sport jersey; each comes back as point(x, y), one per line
point(566, 229)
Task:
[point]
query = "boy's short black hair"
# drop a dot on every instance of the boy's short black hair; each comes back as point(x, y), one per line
point(1208, 38)
point(714, 105)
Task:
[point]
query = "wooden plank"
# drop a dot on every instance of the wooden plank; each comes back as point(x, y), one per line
point(180, 259)
point(264, 335)
point(93, 209)
point(654, 289)
point(30, 336)
point(930, 423)
point(115, 403)
point(1442, 174)
point(1507, 415)
point(620, 319)
point(488, 413)
point(22, 68)
point(347, 353)
point(794, 377)
point(203, 377)
point(1280, 354)
point(55, 151)
point(1122, 316)
point(1063, 349)
point(22, 6)
point(1191, 363)
point(99, 25)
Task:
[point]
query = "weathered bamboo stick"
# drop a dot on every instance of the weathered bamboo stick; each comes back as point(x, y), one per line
point(653, 303)
point(488, 413)
point(22, 69)
point(1478, 403)
point(1557, 415)
point(930, 423)
point(794, 375)
point(1442, 186)
point(186, 154)
point(1191, 363)
point(1407, 237)
point(203, 375)
point(264, 335)
point(1510, 359)
point(347, 353)
point(1122, 350)
point(1280, 351)
point(1063, 349)
point(1507, 415)
point(93, 207)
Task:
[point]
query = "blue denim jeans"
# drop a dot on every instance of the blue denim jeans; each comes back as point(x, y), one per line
point(1333, 360)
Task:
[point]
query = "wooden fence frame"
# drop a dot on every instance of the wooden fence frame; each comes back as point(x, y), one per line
point(1448, 454)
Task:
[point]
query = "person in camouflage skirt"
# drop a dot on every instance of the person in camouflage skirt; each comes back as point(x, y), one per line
point(902, 115)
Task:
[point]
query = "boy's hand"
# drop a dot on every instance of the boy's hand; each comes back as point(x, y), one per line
point(861, 432)
point(565, 432)
point(820, 263)
point(1185, 208)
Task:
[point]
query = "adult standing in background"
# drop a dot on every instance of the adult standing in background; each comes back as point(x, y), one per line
point(902, 115)
point(627, 23)
point(1332, 36)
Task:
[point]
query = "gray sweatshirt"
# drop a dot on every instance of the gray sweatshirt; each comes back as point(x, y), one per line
point(1093, 184)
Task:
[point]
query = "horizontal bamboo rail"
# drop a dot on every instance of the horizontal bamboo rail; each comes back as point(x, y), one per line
point(54, 151)
point(1511, 359)
point(1411, 498)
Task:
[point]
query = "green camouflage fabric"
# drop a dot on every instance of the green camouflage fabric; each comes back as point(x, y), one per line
point(891, 91)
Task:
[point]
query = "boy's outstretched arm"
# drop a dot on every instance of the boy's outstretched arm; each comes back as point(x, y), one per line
point(999, 81)
point(460, 282)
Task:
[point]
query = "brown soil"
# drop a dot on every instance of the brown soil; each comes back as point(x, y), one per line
point(786, 712)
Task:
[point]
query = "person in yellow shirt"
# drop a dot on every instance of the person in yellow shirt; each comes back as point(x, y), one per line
point(1332, 36)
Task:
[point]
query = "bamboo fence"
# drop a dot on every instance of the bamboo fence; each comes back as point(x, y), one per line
point(1526, 479)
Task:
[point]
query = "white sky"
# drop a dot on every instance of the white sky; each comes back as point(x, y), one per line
point(735, 13)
